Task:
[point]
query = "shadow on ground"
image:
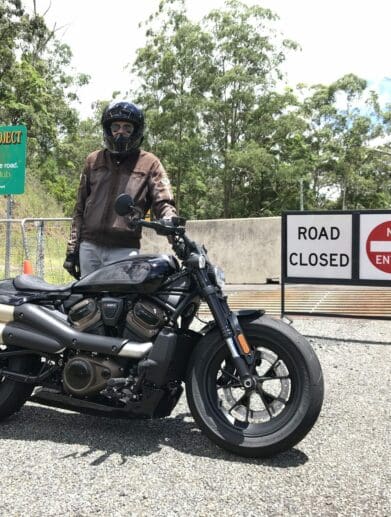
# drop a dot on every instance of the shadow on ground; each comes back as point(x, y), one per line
point(105, 437)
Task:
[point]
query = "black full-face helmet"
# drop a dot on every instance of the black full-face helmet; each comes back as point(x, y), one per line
point(123, 111)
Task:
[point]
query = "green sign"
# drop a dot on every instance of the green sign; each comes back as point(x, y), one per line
point(13, 144)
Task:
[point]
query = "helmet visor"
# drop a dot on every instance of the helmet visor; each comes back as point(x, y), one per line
point(123, 127)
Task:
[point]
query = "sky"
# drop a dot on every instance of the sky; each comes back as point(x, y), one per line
point(336, 36)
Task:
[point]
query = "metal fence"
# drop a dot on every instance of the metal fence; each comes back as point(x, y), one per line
point(40, 243)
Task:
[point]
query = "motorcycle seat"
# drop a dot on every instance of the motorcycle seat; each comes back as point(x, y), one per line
point(35, 283)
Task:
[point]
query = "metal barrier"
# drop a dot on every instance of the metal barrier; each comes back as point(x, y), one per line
point(40, 241)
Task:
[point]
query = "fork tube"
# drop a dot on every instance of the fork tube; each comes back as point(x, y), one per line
point(220, 310)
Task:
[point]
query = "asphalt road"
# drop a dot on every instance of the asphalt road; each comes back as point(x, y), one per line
point(57, 462)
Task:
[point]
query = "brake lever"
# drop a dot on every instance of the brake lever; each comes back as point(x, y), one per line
point(164, 227)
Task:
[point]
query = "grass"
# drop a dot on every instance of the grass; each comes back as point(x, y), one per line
point(46, 255)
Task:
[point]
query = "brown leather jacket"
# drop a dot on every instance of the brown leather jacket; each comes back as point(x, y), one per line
point(141, 175)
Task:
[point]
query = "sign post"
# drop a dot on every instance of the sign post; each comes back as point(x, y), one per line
point(13, 145)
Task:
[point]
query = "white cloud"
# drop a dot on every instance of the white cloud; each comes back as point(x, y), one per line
point(337, 37)
point(383, 88)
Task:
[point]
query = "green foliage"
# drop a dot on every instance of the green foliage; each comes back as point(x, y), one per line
point(36, 90)
point(35, 202)
point(174, 68)
point(234, 146)
point(60, 172)
point(233, 142)
point(201, 85)
point(343, 122)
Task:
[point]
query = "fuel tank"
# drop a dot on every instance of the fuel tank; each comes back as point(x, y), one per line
point(137, 274)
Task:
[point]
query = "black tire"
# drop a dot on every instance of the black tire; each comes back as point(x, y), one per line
point(275, 416)
point(14, 394)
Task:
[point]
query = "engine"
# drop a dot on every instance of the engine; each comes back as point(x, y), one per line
point(138, 321)
point(87, 316)
point(144, 321)
point(85, 375)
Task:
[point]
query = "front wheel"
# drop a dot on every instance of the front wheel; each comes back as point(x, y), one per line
point(274, 415)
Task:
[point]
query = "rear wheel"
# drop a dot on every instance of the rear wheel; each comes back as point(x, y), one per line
point(14, 394)
point(274, 415)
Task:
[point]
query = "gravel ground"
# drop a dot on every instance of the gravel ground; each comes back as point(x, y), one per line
point(57, 462)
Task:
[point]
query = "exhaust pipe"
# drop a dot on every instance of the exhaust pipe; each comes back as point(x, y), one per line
point(36, 328)
point(21, 336)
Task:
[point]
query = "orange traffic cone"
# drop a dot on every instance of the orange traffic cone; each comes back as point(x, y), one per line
point(27, 267)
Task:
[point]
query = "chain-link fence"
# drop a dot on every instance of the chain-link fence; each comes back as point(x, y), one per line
point(39, 243)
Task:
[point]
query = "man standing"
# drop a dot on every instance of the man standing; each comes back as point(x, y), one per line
point(98, 235)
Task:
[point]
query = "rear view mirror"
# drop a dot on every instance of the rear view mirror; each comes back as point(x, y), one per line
point(124, 204)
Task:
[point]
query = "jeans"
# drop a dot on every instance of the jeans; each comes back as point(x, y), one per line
point(92, 256)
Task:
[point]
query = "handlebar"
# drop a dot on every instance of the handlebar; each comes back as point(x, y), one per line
point(180, 243)
point(174, 227)
point(161, 226)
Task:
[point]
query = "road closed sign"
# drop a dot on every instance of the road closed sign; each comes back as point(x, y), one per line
point(375, 246)
point(319, 246)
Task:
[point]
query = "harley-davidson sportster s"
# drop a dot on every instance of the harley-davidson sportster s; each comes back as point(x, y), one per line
point(118, 343)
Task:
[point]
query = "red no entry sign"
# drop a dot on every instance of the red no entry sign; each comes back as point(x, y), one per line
point(378, 246)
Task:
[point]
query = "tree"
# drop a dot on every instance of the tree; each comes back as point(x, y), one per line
point(36, 88)
point(202, 85)
point(173, 68)
point(246, 65)
point(276, 129)
point(60, 173)
point(344, 121)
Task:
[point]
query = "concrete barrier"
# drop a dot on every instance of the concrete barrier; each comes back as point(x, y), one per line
point(248, 250)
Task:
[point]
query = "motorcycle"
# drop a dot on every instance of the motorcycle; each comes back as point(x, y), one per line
point(119, 343)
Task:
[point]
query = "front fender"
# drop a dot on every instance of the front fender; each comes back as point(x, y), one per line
point(242, 315)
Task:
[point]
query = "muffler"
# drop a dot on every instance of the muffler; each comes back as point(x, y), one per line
point(22, 336)
point(37, 328)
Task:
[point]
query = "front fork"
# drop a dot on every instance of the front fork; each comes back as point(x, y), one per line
point(231, 331)
point(241, 363)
